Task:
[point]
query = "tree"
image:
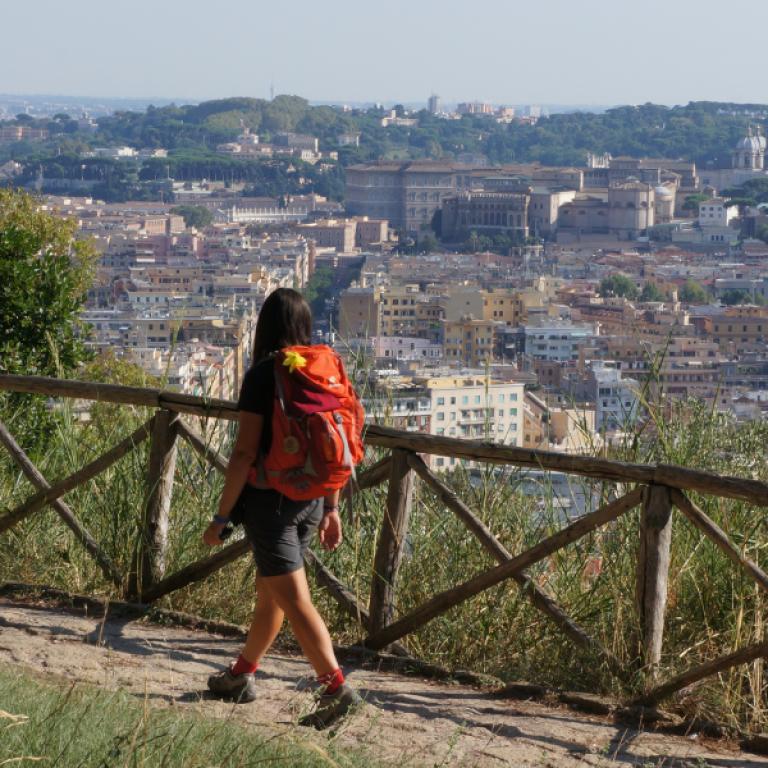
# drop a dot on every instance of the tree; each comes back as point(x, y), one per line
point(693, 293)
point(735, 296)
point(692, 202)
point(318, 289)
point(45, 274)
point(437, 223)
point(651, 292)
point(618, 285)
point(197, 216)
point(428, 243)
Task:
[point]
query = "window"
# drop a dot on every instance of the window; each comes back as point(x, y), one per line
point(477, 399)
point(440, 416)
point(513, 411)
point(464, 399)
point(441, 401)
point(501, 397)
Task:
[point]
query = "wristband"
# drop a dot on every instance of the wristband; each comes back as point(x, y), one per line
point(328, 510)
point(220, 520)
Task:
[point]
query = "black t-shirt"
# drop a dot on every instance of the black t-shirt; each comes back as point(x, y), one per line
point(257, 395)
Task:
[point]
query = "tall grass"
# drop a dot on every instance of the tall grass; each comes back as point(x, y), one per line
point(713, 608)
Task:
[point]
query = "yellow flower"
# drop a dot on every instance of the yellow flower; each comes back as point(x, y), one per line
point(294, 360)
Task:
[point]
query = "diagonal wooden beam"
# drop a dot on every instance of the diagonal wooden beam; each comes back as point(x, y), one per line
point(446, 600)
point(34, 475)
point(713, 531)
point(40, 499)
point(374, 475)
point(540, 599)
point(209, 454)
point(340, 592)
point(196, 571)
point(707, 669)
point(345, 597)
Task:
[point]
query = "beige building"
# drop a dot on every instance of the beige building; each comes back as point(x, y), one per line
point(331, 233)
point(397, 310)
point(502, 305)
point(461, 301)
point(469, 341)
point(626, 212)
point(359, 313)
point(370, 231)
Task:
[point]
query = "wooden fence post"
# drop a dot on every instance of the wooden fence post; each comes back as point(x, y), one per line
point(653, 573)
point(150, 565)
point(389, 550)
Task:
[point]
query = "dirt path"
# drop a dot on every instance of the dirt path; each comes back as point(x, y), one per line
point(407, 721)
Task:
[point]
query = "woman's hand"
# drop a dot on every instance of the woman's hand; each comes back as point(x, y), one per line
point(212, 534)
point(330, 531)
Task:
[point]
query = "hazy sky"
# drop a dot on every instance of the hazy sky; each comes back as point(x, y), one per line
point(505, 51)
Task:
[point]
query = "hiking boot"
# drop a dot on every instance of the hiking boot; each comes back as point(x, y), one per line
point(331, 707)
point(241, 688)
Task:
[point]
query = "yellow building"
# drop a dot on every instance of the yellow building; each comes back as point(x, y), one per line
point(502, 306)
point(469, 341)
point(397, 310)
point(739, 330)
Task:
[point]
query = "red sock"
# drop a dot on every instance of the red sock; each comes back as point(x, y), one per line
point(243, 665)
point(332, 681)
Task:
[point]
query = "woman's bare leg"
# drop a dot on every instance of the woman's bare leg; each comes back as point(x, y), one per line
point(265, 624)
point(290, 592)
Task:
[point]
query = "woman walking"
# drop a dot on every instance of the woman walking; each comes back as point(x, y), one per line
point(278, 528)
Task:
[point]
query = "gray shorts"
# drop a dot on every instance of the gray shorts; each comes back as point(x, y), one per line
point(278, 528)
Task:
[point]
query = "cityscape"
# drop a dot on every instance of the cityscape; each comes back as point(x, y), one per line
point(383, 384)
point(537, 305)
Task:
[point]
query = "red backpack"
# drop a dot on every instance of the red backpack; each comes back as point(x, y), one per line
point(317, 425)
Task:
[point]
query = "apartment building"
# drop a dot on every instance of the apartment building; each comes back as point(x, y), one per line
point(738, 330)
point(555, 341)
point(617, 405)
point(476, 408)
point(469, 341)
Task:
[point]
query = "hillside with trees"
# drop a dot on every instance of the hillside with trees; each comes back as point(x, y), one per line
point(701, 131)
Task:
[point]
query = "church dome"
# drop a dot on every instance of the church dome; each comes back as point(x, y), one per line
point(662, 191)
point(752, 142)
point(748, 144)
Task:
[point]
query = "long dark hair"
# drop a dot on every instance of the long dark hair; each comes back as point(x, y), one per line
point(284, 320)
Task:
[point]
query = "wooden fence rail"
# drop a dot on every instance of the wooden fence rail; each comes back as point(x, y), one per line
point(655, 488)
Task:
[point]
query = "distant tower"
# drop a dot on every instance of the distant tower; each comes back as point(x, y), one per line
point(749, 153)
point(433, 104)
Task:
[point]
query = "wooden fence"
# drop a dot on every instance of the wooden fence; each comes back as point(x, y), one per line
point(657, 489)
